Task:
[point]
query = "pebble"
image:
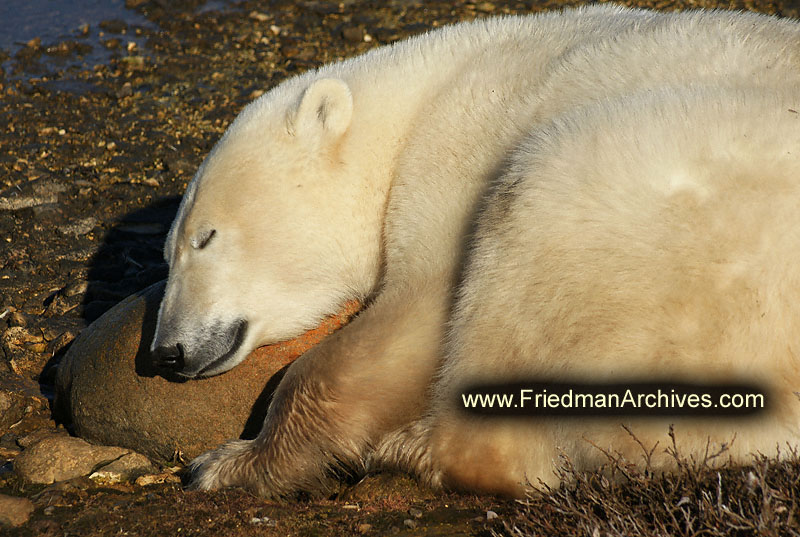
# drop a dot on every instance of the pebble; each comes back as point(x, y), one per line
point(34, 437)
point(7, 454)
point(19, 335)
point(297, 53)
point(157, 479)
point(263, 521)
point(32, 194)
point(125, 91)
point(15, 511)
point(491, 515)
point(353, 34)
point(75, 288)
point(13, 203)
point(79, 227)
point(126, 468)
point(58, 458)
point(8, 440)
point(55, 345)
point(18, 319)
point(260, 17)
point(411, 524)
point(16, 395)
point(133, 63)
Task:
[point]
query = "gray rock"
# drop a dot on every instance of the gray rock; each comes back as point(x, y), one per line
point(113, 396)
point(58, 458)
point(14, 511)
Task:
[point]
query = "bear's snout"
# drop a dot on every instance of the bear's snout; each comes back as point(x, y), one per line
point(169, 357)
point(212, 350)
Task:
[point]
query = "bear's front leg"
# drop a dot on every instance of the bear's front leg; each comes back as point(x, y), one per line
point(338, 400)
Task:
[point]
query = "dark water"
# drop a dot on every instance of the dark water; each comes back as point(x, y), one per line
point(56, 20)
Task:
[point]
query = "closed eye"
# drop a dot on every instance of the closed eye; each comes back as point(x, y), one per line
point(201, 240)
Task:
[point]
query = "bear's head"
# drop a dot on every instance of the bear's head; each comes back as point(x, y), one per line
point(266, 240)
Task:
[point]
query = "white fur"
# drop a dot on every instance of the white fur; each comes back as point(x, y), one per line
point(601, 193)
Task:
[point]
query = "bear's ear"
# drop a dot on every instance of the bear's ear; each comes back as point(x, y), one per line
point(324, 110)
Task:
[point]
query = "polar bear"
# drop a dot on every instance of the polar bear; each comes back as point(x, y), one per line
point(600, 194)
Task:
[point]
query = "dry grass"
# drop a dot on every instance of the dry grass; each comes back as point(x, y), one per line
point(702, 498)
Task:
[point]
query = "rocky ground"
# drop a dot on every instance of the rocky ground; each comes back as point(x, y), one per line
point(94, 159)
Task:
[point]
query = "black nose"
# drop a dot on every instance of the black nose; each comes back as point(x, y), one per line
point(169, 357)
